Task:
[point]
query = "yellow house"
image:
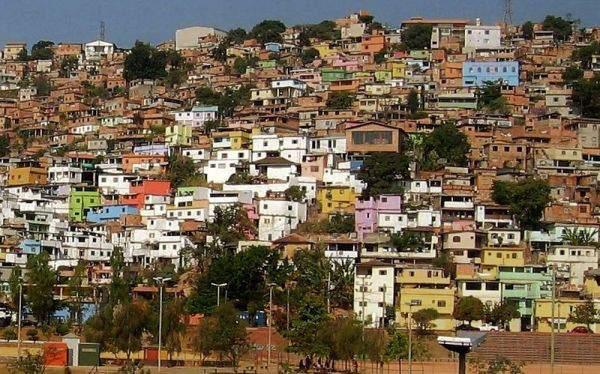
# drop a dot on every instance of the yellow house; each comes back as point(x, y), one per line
point(493, 257)
point(324, 49)
point(423, 287)
point(562, 309)
point(236, 139)
point(398, 69)
point(178, 134)
point(414, 299)
point(336, 199)
point(27, 175)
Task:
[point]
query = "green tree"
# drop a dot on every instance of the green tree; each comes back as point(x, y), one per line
point(412, 101)
point(78, 292)
point(499, 365)
point(98, 329)
point(579, 236)
point(375, 345)
point(181, 170)
point(527, 30)
point(9, 334)
point(237, 36)
point(572, 74)
point(173, 326)
point(268, 31)
point(23, 55)
point(407, 241)
point(586, 96)
point(41, 280)
point(325, 30)
point(341, 223)
point(448, 143)
point(343, 337)
point(33, 335)
point(308, 55)
point(130, 323)
point(68, 65)
point(380, 56)
point(340, 100)
point(424, 320)
point(501, 313)
point(417, 36)
point(305, 326)
point(27, 364)
point(223, 333)
point(42, 50)
point(584, 54)
point(42, 85)
point(526, 200)
point(295, 193)
point(14, 281)
point(145, 62)
point(382, 172)
point(561, 28)
point(586, 314)
point(468, 309)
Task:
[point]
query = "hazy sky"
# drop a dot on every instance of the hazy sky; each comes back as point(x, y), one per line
point(156, 20)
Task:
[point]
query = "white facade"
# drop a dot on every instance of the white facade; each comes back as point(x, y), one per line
point(224, 165)
point(64, 175)
point(372, 286)
point(189, 38)
point(197, 116)
point(571, 262)
point(279, 217)
point(292, 148)
point(98, 49)
point(482, 37)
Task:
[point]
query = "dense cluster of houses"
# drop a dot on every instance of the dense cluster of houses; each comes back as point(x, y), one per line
point(83, 174)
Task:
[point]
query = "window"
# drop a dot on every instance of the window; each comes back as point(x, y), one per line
point(415, 302)
point(441, 303)
point(499, 255)
point(382, 272)
point(473, 286)
point(456, 239)
point(492, 286)
point(514, 255)
point(494, 148)
point(372, 137)
point(506, 149)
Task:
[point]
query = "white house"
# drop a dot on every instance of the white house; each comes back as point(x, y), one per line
point(373, 291)
point(278, 217)
point(98, 49)
point(482, 37)
point(571, 262)
point(197, 116)
point(64, 174)
point(225, 164)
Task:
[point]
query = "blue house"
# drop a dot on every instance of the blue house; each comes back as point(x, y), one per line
point(273, 47)
point(109, 213)
point(30, 246)
point(476, 73)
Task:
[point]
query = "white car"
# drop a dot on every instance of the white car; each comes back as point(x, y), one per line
point(488, 327)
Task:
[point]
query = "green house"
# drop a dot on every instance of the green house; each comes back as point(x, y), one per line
point(522, 285)
point(330, 75)
point(81, 200)
point(383, 75)
point(266, 64)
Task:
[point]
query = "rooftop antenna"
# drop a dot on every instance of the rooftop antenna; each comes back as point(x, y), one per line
point(102, 31)
point(508, 12)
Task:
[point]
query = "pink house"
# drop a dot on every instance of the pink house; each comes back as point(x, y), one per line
point(366, 212)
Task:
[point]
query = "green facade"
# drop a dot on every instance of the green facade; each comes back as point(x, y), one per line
point(89, 354)
point(81, 200)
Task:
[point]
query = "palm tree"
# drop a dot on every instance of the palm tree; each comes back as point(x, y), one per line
point(579, 236)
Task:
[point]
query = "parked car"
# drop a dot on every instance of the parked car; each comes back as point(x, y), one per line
point(581, 330)
point(488, 327)
point(466, 327)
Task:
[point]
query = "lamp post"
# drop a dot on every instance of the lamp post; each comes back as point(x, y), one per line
point(271, 285)
point(410, 305)
point(552, 321)
point(19, 319)
point(161, 281)
point(219, 285)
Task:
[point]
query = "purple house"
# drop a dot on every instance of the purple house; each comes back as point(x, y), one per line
point(366, 212)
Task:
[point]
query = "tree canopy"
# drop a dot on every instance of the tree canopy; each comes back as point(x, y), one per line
point(340, 100)
point(526, 200)
point(146, 62)
point(468, 309)
point(268, 31)
point(446, 143)
point(417, 36)
point(382, 172)
point(561, 28)
point(42, 50)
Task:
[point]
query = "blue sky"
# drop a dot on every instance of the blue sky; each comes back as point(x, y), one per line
point(156, 20)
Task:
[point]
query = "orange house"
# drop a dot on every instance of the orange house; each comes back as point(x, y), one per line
point(21, 176)
point(140, 189)
point(372, 136)
point(151, 161)
point(372, 43)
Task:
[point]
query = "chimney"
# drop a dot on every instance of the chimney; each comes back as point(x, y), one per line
point(478, 21)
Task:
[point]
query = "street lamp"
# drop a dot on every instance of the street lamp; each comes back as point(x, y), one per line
point(19, 319)
point(219, 285)
point(410, 305)
point(271, 285)
point(161, 281)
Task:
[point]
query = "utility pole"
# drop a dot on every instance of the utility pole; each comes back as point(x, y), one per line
point(328, 291)
point(271, 285)
point(161, 281)
point(410, 305)
point(20, 318)
point(383, 307)
point(552, 321)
